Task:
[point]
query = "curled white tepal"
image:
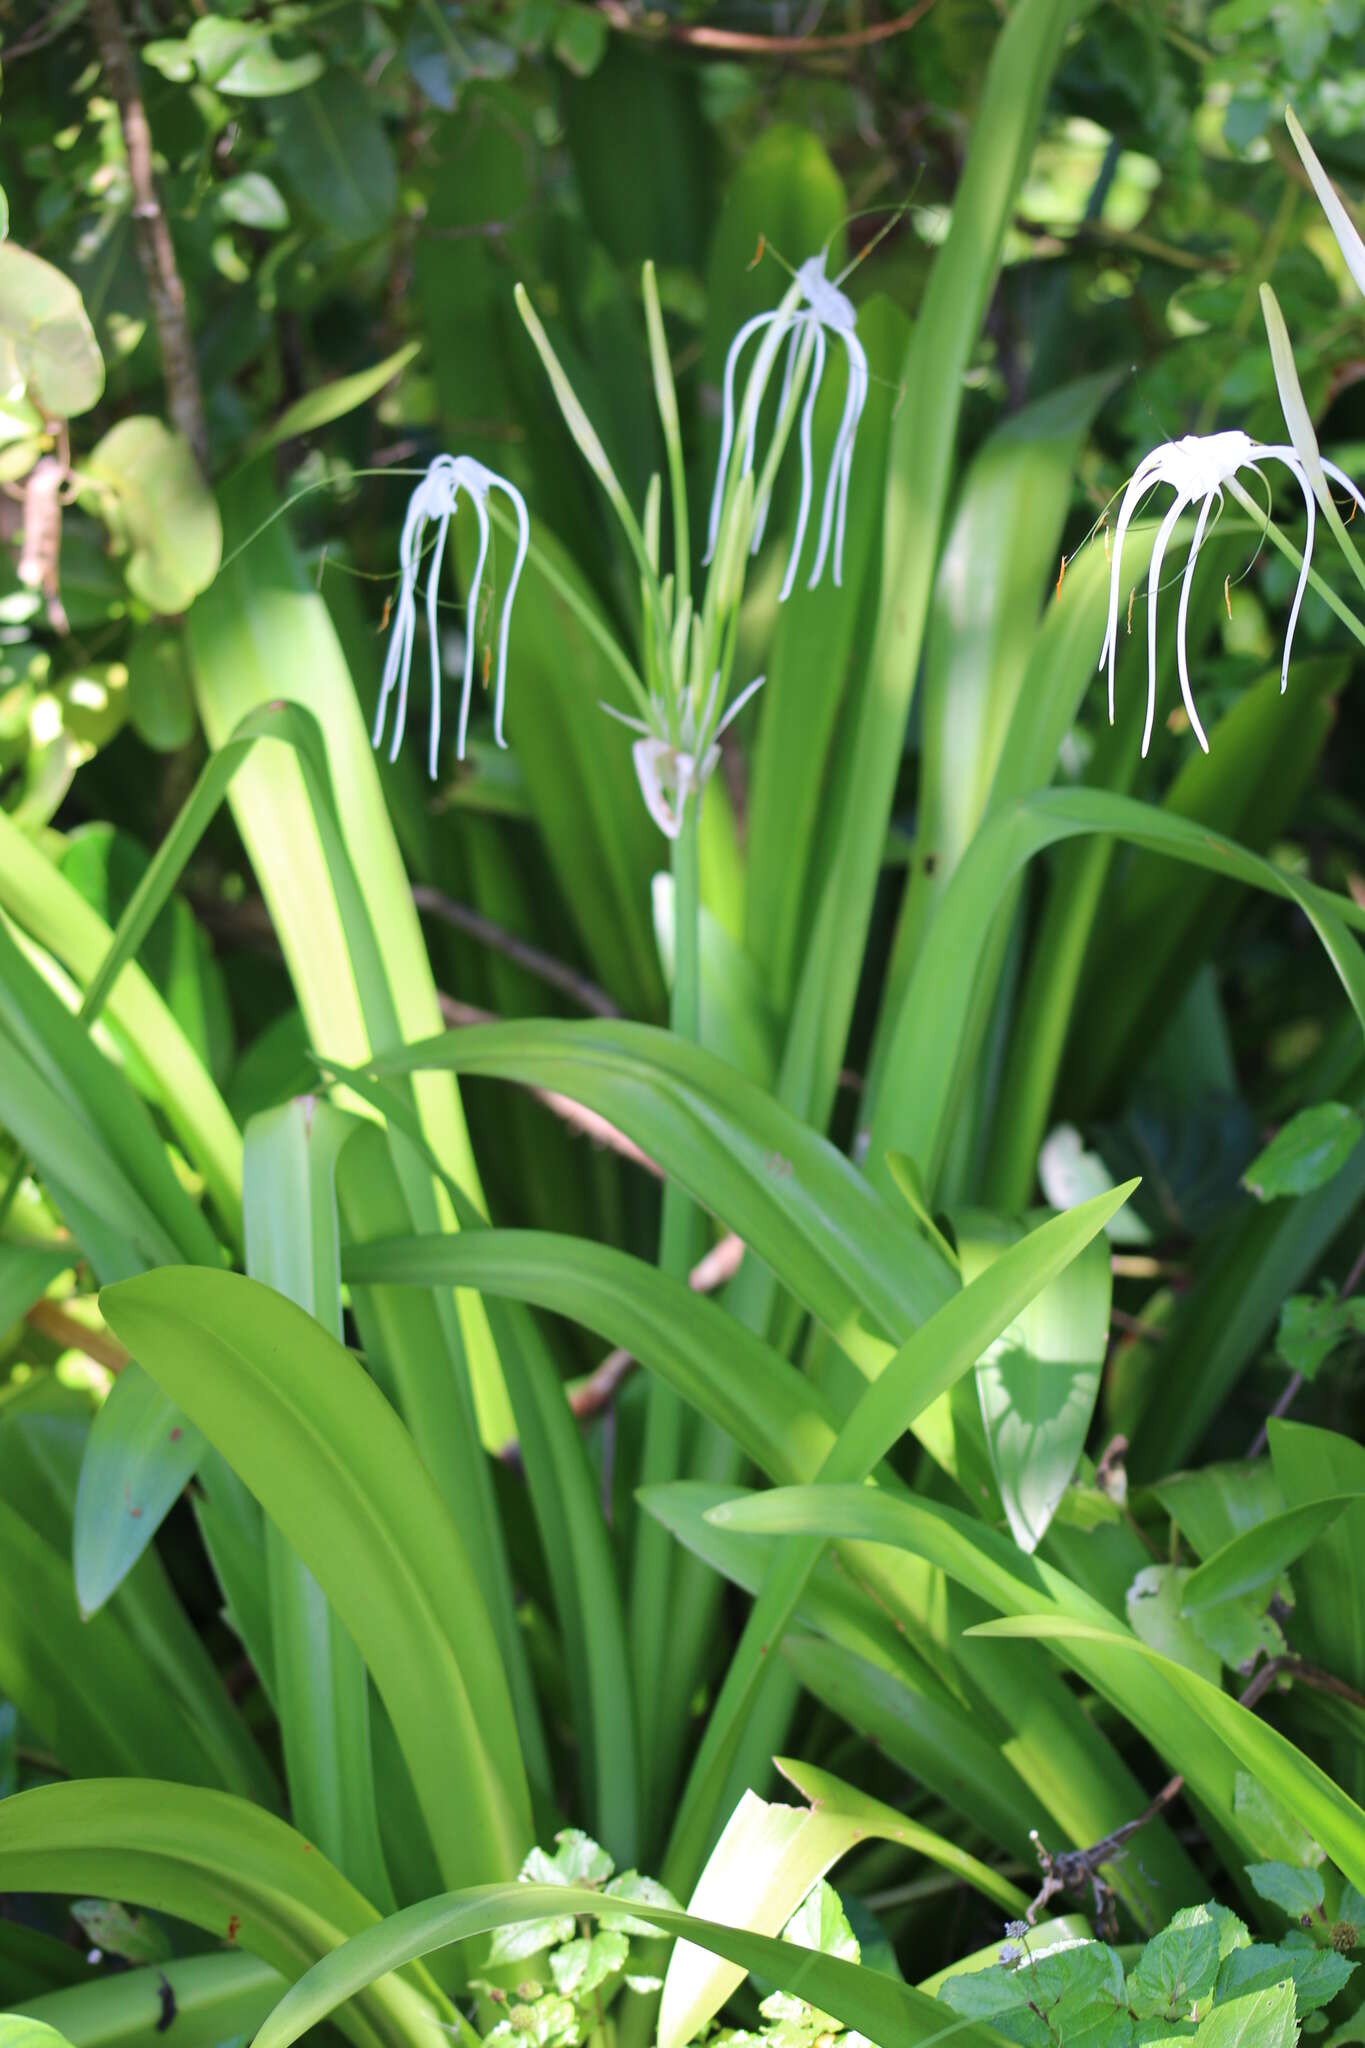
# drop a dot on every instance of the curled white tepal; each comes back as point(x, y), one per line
point(1196, 468)
point(820, 310)
point(434, 504)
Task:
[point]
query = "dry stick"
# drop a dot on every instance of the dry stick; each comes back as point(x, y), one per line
point(52, 1320)
point(155, 249)
point(554, 973)
point(735, 40)
point(1070, 1870)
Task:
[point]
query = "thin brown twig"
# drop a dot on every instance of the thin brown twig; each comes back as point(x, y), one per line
point(50, 1319)
point(698, 36)
point(155, 249)
point(544, 966)
point(1072, 1870)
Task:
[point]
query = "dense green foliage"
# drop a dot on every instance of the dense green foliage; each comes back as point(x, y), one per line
point(829, 1222)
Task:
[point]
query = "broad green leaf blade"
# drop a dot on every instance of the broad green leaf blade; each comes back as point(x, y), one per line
point(919, 474)
point(795, 1201)
point(176, 1716)
point(214, 1998)
point(131, 1723)
point(767, 1859)
point(320, 840)
point(117, 1138)
point(415, 1348)
point(332, 401)
point(1334, 1820)
point(924, 1369)
point(26, 1273)
point(991, 1568)
point(1306, 1153)
point(924, 1064)
point(785, 1425)
point(1258, 1556)
point(885, 1677)
point(321, 1693)
point(46, 340)
point(160, 507)
point(338, 1474)
point(997, 567)
point(717, 1366)
point(44, 903)
point(140, 1457)
point(1038, 1381)
point(879, 1822)
point(881, 2007)
point(223, 1865)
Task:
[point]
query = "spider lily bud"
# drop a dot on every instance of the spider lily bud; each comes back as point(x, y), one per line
point(676, 757)
point(804, 319)
point(434, 503)
point(1196, 469)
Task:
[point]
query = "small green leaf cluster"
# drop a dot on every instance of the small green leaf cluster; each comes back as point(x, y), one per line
point(573, 1971)
point(1202, 1978)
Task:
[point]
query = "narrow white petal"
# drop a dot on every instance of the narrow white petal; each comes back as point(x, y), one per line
point(1292, 463)
point(1153, 592)
point(471, 624)
point(799, 324)
point(807, 472)
point(650, 756)
point(434, 634)
point(1186, 583)
point(505, 625)
point(1144, 477)
point(840, 461)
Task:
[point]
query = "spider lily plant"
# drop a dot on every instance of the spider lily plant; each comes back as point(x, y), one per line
point(683, 699)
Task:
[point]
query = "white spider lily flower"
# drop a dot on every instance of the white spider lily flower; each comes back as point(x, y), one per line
point(1196, 469)
point(671, 766)
point(825, 310)
point(434, 502)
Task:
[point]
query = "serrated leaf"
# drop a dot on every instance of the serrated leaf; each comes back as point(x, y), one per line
point(1318, 1974)
point(1262, 2019)
point(1311, 1328)
point(1311, 1148)
point(1176, 1971)
point(1296, 1891)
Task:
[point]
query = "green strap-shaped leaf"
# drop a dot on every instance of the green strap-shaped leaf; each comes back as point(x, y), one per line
point(225, 1866)
point(881, 2007)
point(797, 1202)
point(322, 1695)
point(335, 1469)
